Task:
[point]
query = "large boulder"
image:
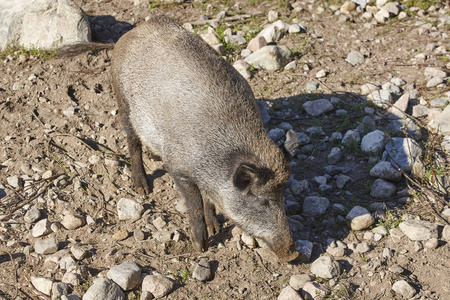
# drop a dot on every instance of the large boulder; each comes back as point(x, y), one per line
point(42, 24)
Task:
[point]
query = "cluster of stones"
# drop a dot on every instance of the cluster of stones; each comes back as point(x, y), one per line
point(261, 52)
point(383, 10)
point(119, 279)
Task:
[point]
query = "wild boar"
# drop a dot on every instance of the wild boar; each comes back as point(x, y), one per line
point(192, 109)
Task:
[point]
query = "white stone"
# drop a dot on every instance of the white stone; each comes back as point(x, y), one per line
point(104, 289)
point(373, 142)
point(46, 246)
point(359, 218)
point(288, 293)
point(127, 275)
point(129, 210)
point(42, 284)
point(158, 285)
point(269, 58)
point(418, 230)
point(42, 24)
point(325, 267)
point(41, 228)
point(404, 288)
point(317, 107)
point(72, 222)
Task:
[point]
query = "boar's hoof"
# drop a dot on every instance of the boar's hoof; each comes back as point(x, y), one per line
point(141, 186)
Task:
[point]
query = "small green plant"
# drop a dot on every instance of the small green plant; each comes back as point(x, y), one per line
point(182, 276)
point(422, 4)
point(39, 53)
point(153, 4)
point(392, 219)
point(364, 258)
point(86, 283)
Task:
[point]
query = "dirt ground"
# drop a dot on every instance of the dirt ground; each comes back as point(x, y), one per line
point(38, 133)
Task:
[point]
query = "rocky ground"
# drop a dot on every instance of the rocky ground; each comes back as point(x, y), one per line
point(367, 200)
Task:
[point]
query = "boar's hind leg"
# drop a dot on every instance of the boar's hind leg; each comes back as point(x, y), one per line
point(212, 225)
point(137, 166)
point(196, 217)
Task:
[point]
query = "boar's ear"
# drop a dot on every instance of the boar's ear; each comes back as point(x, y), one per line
point(291, 144)
point(248, 175)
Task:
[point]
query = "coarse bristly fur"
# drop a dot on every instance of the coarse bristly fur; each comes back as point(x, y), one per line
point(192, 109)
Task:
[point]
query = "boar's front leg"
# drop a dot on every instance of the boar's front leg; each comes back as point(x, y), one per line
point(137, 166)
point(194, 203)
point(212, 225)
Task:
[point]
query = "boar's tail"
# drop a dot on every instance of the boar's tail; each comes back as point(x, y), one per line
point(77, 49)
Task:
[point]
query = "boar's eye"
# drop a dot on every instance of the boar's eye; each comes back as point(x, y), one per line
point(262, 201)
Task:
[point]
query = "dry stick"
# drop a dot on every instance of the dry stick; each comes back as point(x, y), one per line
point(422, 188)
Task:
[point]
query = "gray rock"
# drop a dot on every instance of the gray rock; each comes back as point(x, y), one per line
point(127, 275)
point(362, 247)
point(78, 252)
point(139, 235)
point(381, 98)
point(211, 38)
point(274, 32)
point(432, 243)
point(104, 289)
point(367, 125)
point(303, 138)
point(402, 152)
point(297, 28)
point(41, 228)
point(382, 189)
point(236, 40)
point(42, 24)
point(315, 206)
point(289, 293)
point(317, 107)
point(392, 8)
point(420, 111)
point(336, 136)
point(335, 155)
point(69, 112)
point(304, 248)
point(276, 134)
point(158, 285)
point(355, 58)
point(351, 137)
point(404, 288)
point(342, 180)
point(298, 281)
point(163, 236)
point(291, 66)
point(269, 58)
point(32, 215)
point(315, 290)
point(418, 230)
point(373, 142)
point(299, 187)
point(439, 102)
point(320, 74)
point(202, 271)
point(446, 233)
point(128, 209)
point(325, 267)
point(59, 289)
point(46, 246)
point(398, 81)
point(399, 126)
point(441, 123)
point(285, 126)
point(72, 222)
point(431, 72)
point(312, 86)
point(435, 81)
point(385, 170)
point(42, 284)
point(341, 112)
point(359, 218)
point(256, 43)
